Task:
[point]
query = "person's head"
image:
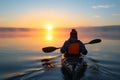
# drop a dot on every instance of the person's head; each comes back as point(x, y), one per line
point(73, 34)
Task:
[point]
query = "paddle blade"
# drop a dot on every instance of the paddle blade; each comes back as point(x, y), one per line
point(49, 49)
point(94, 41)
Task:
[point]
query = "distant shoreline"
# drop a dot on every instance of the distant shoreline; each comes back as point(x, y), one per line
point(103, 28)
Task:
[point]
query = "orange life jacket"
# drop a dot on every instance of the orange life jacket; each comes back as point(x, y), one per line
point(74, 48)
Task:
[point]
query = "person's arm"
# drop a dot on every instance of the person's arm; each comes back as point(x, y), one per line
point(64, 47)
point(83, 49)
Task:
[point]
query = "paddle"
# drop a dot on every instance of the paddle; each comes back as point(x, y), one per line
point(52, 48)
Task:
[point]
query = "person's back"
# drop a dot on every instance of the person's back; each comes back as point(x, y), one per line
point(73, 46)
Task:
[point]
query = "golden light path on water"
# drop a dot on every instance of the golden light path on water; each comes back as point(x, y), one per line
point(49, 35)
point(42, 38)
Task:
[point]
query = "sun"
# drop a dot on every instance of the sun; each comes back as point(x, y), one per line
point(49, 27)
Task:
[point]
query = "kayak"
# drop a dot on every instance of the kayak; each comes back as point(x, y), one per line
point(70, 69)
point(73, 69)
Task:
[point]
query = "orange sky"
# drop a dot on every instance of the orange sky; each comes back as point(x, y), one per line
point(39, 20)
point(72, 13)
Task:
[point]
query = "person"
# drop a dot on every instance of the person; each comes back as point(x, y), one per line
point(73, 46)
point(72, 50)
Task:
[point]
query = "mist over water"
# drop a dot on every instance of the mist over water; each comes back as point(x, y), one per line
point(20, 53)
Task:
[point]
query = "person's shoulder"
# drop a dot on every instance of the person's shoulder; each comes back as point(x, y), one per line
point(80, 41)
point(67, 41)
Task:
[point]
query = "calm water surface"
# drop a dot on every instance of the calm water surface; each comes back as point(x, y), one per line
point(20, 56)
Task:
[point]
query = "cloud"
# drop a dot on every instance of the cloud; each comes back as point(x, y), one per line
point(97, 16)
point(118, 14)
point(101, 6)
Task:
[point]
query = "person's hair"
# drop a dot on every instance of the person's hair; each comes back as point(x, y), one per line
point(73, 34)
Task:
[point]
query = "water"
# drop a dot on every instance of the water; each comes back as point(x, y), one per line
point(20, 56)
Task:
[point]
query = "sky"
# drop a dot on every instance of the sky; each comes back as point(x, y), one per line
point(59, 13)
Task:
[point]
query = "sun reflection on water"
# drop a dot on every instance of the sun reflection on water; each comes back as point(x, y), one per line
point(49, 37)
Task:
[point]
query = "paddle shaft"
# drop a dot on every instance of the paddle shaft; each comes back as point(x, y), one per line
point(51, 48)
